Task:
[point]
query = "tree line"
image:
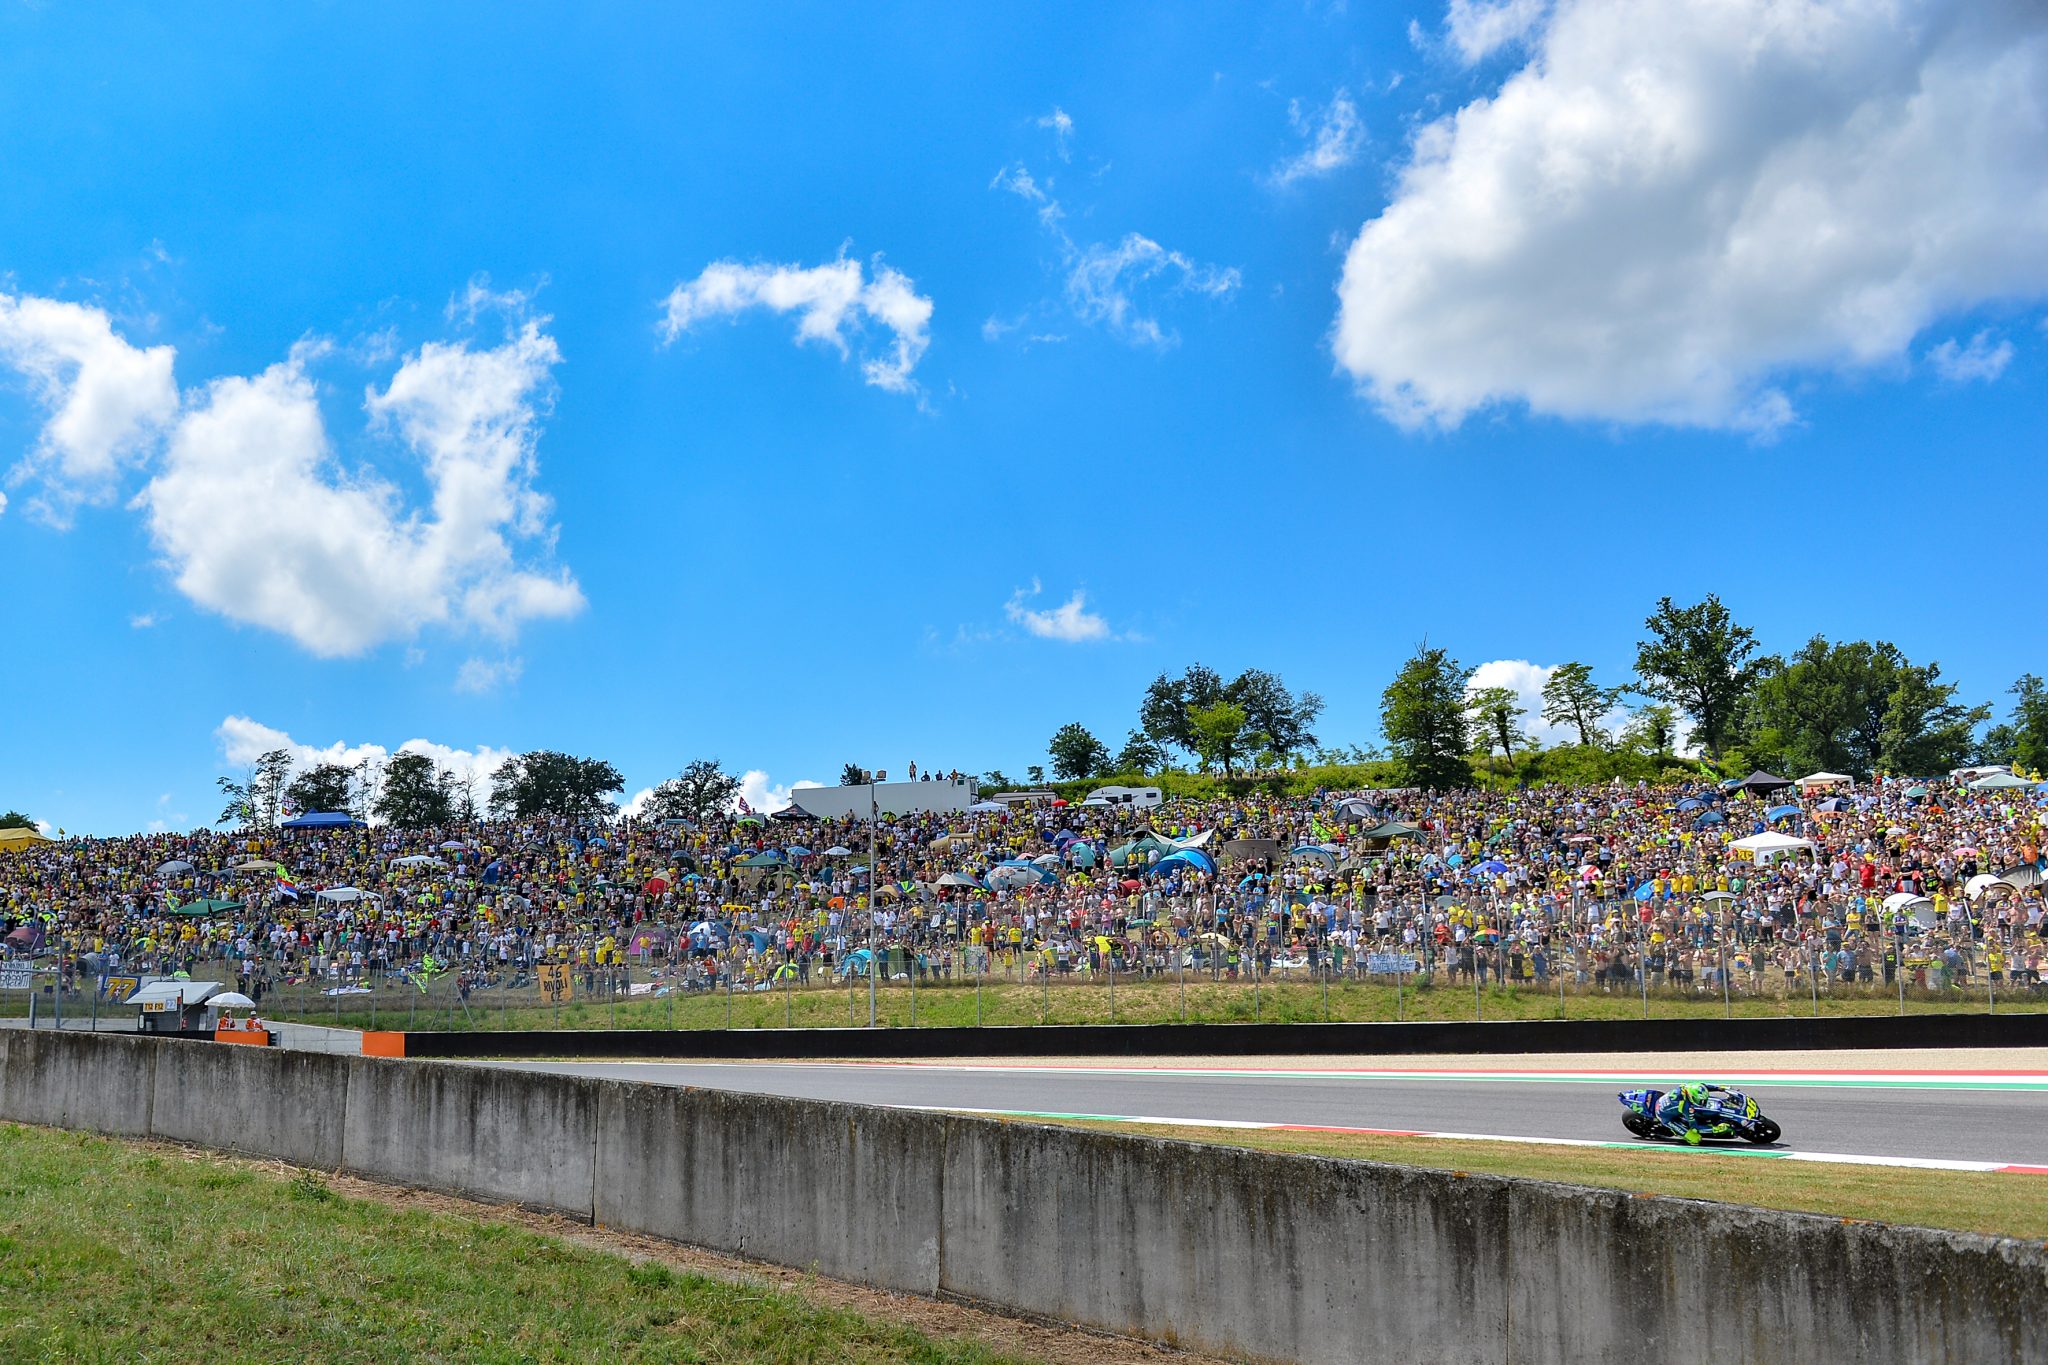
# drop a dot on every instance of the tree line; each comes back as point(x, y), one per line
point(1855, 707)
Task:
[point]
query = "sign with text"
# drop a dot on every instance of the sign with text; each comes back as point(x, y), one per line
point(17, 976)
point(115, 990)
point(554, 982)
point(1390, 964)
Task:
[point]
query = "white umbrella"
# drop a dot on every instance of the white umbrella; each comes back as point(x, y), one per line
point(175, 865)
point(838, 851)
point(233, 1000)
point(344, 894)
point(418, 860)
point(254, 865)
point(454, 846)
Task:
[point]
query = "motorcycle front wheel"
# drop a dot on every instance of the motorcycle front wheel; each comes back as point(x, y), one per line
point(1638, 1125)
point(1762, 1131)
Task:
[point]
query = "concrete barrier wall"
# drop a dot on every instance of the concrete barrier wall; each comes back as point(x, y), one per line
point(1265, 1255)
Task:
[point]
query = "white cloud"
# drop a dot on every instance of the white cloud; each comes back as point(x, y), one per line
point(1335, 138)
point(829, 300)
point(483, 676)
point(1103, 284)
point(1062, 131)
point(761, 794)
point(1480, 28)
point(1983, 359)
point(1106, 284)
point(1672, 204)
point(258, 521)
point(142, 620)
point(106, 400)
point(1070, 621)
point(243, 741)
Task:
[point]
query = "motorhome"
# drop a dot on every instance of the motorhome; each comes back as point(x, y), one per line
point(1131, 798)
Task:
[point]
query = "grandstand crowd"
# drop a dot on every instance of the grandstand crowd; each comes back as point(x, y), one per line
point(1607, 887)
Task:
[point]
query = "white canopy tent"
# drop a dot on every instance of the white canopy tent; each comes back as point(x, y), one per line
point(1816, 781)
point(1770, 846)
point(1919, 907)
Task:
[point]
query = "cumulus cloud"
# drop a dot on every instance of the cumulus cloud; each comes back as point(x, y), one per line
point(244, 740)
point(105, 400)
point(1070, 621)
point(829, 301)
point(1671, 205)
point(761, 794)
point(1334, 137)
point(259, 521)
point(1479, 28)
point(1981, 360)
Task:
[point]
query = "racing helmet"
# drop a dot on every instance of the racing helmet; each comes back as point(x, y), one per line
point(1694, 1093)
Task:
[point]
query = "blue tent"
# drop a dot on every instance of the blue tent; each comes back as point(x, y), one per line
point(1776, 813)
point(1192, 858)
point(323, 819)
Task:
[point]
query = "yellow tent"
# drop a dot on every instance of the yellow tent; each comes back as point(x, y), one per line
point(11, 839)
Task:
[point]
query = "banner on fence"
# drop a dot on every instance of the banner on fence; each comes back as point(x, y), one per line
point(1390, 964)
point(554, 982)
point(17, 976)
point(115, 990)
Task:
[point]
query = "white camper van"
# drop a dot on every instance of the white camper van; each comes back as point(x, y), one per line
point(1134, 798)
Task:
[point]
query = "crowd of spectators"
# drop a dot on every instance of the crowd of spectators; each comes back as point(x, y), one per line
point(1601, 888)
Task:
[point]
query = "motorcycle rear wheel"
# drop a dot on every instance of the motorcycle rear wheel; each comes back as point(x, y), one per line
point(1638, 1125)
point(1762, 1131)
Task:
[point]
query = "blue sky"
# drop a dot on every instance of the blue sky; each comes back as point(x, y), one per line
point(654, 383)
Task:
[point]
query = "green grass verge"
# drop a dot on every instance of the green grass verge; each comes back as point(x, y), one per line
point(112, 1251)
point(1133, 1002)
point(1998, 1203)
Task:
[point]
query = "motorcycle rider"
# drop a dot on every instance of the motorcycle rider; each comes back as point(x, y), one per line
point(1679, 1109)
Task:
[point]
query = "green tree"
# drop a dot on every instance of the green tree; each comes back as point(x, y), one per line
point(325, 786)
point(258, 802)
point(1498, 713)
point(14, 819)
point(1571, 697)
point(1140, 754)
point(1281, 717)
point(1169, 704)
point(1926, 730)
point(416, 794)
point(1423, 716)
point(1651, 731)
point(1076, 753)
point(1220, 733)
point(1701, 662)
point(996, 780)
point(853, 775)
point(701, 791)
point(1035, 775)
point(546, 782)
point(2026, 741)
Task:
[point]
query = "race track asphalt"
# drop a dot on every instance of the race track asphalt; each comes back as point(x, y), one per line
point(1959, 1117)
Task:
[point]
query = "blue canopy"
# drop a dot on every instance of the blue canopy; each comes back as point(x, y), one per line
point(1493, 867)
point(1780, 812)
point(323, 819)
point(1712, 817)
point(1690, 803)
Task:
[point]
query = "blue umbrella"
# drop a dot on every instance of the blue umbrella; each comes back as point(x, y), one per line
point(1690, 803)
point(1492, 867)
point(1776, 813)
point(1712, 817)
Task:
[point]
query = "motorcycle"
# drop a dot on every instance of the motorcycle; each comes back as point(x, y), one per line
point(1731, 1114)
